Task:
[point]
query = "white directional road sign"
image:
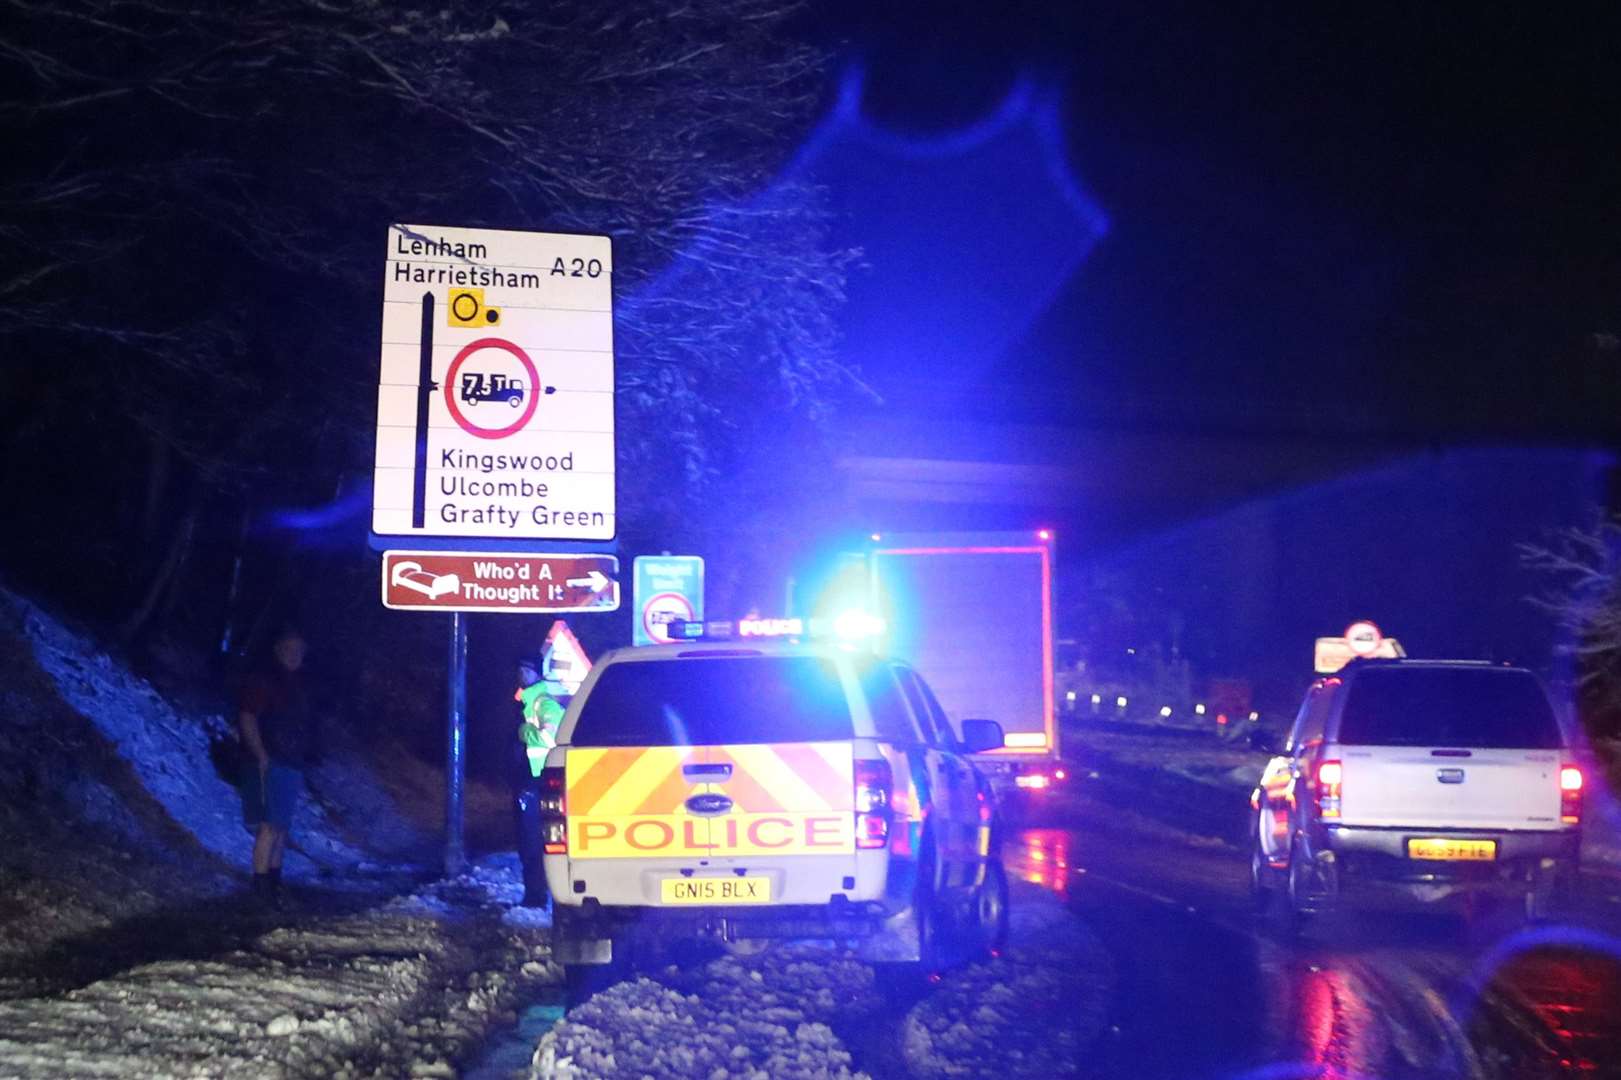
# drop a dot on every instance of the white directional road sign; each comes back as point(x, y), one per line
point(495, 409)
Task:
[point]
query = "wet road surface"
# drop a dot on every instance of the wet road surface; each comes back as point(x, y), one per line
point(1206, 988)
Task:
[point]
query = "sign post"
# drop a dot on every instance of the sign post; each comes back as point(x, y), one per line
point(495, 424)
point(455, 745)
point(666, 588)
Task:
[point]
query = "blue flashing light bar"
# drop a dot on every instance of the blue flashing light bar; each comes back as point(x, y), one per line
point(850, 626)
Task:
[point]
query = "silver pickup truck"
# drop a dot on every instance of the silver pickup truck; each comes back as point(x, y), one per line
point(1442, 776)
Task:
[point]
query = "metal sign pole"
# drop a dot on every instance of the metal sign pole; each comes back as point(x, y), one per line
point(455, 744)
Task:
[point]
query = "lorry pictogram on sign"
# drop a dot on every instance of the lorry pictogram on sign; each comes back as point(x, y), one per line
point(519, 584)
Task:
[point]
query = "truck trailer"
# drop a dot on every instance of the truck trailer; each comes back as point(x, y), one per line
point(973, 612)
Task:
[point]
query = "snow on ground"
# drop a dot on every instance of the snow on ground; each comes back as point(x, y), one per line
point(759, 1017)
point(113, 809)
point(797, 1010)
point(406, 987)
point(127, 945)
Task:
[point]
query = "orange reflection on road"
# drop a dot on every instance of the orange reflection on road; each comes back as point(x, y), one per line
point(1041, 857)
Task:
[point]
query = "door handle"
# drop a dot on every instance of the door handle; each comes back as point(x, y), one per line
point(706, 771)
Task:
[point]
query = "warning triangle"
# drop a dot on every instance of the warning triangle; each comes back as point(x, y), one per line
point(563, 658)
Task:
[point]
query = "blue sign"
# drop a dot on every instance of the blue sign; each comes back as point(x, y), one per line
point(666, 588)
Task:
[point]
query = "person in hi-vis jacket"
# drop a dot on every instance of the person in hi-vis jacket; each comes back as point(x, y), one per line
point(537, 734)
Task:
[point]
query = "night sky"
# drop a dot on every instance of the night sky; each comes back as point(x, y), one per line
point(1404, 223)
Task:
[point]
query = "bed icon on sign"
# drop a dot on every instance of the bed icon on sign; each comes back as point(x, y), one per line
point(410, 575)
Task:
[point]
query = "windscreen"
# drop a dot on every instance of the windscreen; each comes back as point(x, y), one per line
point(1485, 708)
point(710, 702)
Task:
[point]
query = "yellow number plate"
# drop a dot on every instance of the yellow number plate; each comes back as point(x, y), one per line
point(715, 890)
point(1445, 850)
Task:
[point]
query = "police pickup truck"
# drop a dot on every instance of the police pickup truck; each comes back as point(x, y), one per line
point(753, 789)
point(1441, 776)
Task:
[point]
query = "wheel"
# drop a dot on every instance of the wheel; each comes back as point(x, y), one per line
point(908, 980)
point(1261, 889)
point(989, 918)
point(582, 982)
point(1303, 891)
point(1539, 900)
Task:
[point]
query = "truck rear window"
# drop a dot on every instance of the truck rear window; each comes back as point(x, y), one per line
point(707, 702)
point(1485, 708)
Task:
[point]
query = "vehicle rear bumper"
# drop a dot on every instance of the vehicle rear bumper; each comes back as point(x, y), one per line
point(1382, 852)
point(593, 933)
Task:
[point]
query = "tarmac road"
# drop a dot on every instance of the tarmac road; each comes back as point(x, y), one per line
point(1207, 988)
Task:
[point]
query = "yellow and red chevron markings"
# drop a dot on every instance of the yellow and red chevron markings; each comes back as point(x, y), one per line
point(631, 802)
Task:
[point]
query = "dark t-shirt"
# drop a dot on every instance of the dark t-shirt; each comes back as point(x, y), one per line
point(286, 725)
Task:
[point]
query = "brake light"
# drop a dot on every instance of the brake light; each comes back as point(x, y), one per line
point(553, 811)
point(1570, 795)
point(873, 785)
point(1329, 776)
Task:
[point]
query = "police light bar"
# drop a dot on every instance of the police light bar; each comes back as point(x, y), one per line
point(850, 626)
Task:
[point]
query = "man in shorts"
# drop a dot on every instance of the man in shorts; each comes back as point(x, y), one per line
point(278, 731)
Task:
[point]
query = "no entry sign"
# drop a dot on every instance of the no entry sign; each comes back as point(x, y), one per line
point(1364, 638)
point(495, 406)
point(519, 584)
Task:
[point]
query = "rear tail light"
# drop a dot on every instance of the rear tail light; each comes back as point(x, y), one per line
point(1570, 795)
point(1329, 776)
point(873, 784)
point(553, 811)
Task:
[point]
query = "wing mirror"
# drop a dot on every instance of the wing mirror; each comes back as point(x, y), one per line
point(981, 735)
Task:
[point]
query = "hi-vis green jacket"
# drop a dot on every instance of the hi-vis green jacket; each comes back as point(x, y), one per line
point(542, 716)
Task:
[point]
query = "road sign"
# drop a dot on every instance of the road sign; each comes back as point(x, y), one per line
point(1363, 637)
point(563, 660)
point(519, 584)
point(495, 407)
point(1333, 653)
point(665, 588)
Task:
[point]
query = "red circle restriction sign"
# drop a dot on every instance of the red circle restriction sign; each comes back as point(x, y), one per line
point(456, 413)
point(663, 608)
point(1364, 638)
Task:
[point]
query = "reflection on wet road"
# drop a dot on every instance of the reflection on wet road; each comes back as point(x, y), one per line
point(1041, 857)
point(1210, 989)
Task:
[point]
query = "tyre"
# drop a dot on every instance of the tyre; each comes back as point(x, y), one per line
point(1539, 900)
point(988, 921)
point(1262, 892)
point(908, 980)
point(581, 982)
point(1303, 892)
